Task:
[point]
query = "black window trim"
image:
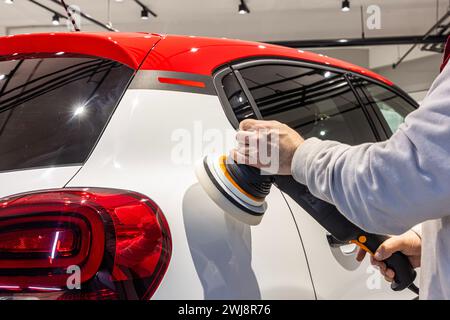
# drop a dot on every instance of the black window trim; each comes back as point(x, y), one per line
point(248, 94)
point(226, 106)
point(376, 110)
point(237, 65)
point(368, 109)
point(378, 133)
point(256, 62)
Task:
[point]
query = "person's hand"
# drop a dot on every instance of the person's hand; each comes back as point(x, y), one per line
point(409, 243)
point(268, 145)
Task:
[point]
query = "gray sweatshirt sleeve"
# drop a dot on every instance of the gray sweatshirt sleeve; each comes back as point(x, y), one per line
point(387, 187)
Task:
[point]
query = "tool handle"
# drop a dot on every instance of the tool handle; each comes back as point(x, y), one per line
point(343, 229)
point(398, 262)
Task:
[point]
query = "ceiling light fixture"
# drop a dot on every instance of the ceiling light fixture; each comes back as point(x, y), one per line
point(243, 9)
point(345, 6)
point(55, 20)
point(2, 77)
point(9, 1)
point(144, 14)
point(146, 11)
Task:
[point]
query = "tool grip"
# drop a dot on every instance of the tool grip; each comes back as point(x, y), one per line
point(342, 229)
point(398, 262)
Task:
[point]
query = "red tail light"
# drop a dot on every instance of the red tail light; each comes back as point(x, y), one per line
point(53, 242)
point(117, 241)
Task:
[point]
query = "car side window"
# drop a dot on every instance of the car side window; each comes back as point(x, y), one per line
point(392, 107)
point(316, 103)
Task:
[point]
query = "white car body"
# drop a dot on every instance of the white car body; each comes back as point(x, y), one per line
point(214, 256)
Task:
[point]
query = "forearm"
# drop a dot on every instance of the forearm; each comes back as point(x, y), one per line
point(381, 187)
point(391, 186)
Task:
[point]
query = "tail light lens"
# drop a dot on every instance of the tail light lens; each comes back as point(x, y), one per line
point(82, 244)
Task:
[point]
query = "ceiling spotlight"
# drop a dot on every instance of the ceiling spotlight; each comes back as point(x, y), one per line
point(144, 14)
point(243, 9)
point(9, 1)
point(345, 6)
point(327, 74)
point(2, 77)
point(55, 20)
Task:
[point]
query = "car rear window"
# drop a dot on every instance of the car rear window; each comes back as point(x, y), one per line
point(53, 109)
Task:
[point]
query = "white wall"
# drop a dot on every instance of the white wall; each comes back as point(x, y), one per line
point(269, 20)
point(415, 75)
point(358, 56)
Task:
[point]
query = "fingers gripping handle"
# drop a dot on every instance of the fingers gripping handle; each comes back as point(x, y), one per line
point(404, 273)
point(398, 262)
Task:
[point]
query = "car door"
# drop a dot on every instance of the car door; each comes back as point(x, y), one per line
point(214, 256)
point(319, 102)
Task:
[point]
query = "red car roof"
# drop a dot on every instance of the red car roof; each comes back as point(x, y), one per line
point(127, 48)
point(170, 53)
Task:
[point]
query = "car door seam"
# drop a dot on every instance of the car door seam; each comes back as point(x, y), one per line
point(302, 244)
